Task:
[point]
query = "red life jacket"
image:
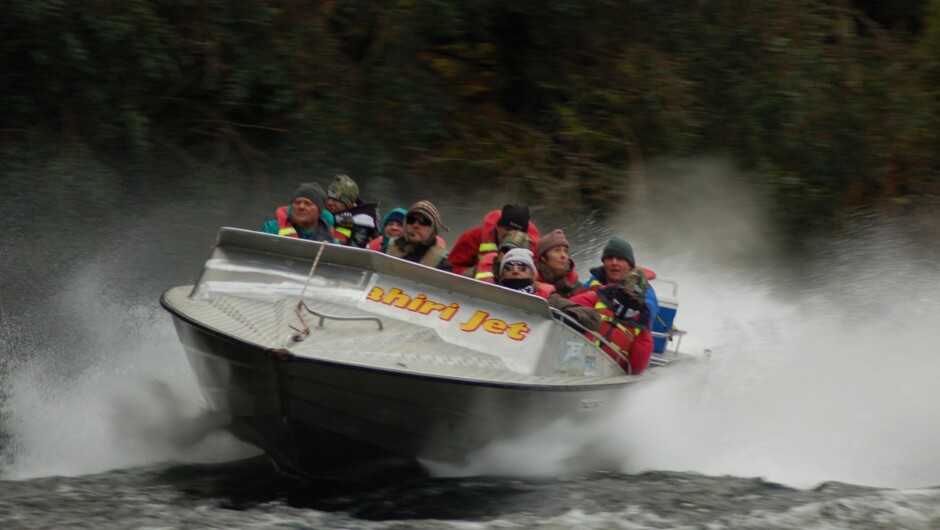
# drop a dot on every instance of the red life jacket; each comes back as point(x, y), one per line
point(633, 343)
point(284, 228)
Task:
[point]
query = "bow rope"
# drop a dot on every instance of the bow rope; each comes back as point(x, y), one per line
point(305, 331)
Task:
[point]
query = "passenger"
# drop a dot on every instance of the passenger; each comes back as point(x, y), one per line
point(626, 320)
point(420, 243)
point(518, 273)
point(617, 261)
point(356, 223)
point(555, 266)
point(475, 243)
point(305, 218)
point(487, 269)
point(392, 226)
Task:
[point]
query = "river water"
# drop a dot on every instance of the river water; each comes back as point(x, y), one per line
point(814, 404)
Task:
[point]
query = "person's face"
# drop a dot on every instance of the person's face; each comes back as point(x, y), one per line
point(417, 228)
point(556, 258)
point(516, 270)
point(335, 205)
point(616, 268)
point(393, 229)
point(501, 233)
point(304, 213)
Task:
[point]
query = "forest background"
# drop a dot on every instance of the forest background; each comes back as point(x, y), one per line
point(830, 106)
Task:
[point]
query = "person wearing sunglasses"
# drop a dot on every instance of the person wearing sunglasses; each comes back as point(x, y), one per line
point(517, 272)
point(306, 217)
point(419, 242)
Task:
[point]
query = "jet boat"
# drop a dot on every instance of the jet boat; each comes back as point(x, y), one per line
point(335, 360)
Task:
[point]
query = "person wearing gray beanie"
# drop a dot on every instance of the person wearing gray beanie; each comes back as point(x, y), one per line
point(617, 247)
point(617, 262)
point(305, 217)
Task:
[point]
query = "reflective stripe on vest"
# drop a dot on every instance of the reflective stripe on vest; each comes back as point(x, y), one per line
point(346, 233)
point(486, 248)
point(483, 275)
point(287, 231)
point(632, 331)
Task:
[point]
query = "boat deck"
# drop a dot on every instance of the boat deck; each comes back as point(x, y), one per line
point(398, 346)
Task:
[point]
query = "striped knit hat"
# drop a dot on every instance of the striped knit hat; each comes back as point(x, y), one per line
point(430, 211)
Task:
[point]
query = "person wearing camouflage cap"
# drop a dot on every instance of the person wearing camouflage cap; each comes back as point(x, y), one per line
point(487, 269)
point(625, 318)
point(342, 194)
point(306, 217)
point(356, 222)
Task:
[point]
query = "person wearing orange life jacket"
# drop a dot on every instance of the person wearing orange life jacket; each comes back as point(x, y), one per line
point(616, 262)
point(555, 266)
point(356, 223)
point(420, 243)
point(518, 273)
point(479, 241)
point(305, 217)
point(488, 268)
point(626, 318)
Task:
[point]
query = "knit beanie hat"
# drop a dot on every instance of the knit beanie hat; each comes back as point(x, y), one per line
point(617, 247)
point(343, 189)
point(515, 217)
point(312, 191)
point(395, 214)
point(515, 239)
point(430, 211)
point(555, 239)
point(519, 255)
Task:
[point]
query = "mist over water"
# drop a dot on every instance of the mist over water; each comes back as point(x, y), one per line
point(820, 368)
point(813, 370)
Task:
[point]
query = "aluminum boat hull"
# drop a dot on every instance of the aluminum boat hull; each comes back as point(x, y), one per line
point(348, 411)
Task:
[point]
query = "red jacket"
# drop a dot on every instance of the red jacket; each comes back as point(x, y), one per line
point(635, 342)
point(481, 240)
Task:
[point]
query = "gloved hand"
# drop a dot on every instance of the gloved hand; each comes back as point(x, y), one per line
point(628, 308)
point(343, 219)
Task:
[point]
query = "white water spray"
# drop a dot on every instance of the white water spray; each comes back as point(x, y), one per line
point(828, 379)
point(120, 395)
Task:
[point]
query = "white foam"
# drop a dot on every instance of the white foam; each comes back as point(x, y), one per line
point(119, 395)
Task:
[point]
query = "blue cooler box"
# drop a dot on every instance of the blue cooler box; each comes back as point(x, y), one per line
point(668, 305)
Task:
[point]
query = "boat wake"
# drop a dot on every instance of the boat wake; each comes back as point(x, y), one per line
point(828, 377)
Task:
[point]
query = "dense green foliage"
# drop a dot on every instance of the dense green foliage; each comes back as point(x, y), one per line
point(831, 104)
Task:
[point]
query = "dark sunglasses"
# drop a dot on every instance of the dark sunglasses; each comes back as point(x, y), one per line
point(421, 220)
point(515, 266)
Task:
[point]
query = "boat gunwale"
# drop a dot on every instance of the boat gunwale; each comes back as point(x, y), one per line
point(277, 356)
